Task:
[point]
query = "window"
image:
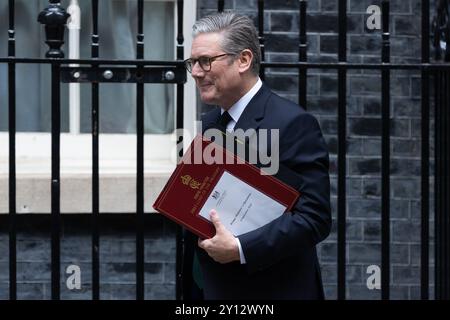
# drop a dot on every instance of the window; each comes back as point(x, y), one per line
point(117, 151)
point(117, 31)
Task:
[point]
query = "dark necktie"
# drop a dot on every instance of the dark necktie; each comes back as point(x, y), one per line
point(224, 119)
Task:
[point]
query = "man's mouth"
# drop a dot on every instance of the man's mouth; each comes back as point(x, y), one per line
point(205, 85)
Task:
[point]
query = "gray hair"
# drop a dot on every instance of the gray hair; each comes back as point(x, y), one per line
point(238, 31)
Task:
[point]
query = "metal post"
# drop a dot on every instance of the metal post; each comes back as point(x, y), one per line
point(95, 160)
point(302, 54)
point(180, 236)
point(385, 160)
point(54, 17)
point(342, 149)
point(261, 35)
point(12, 156)
point(425, 156)
point(442, 152)
point(140, 157)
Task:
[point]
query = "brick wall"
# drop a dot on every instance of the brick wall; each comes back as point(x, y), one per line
point(117, 257)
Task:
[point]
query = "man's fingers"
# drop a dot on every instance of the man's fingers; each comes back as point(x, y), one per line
point(216, 220)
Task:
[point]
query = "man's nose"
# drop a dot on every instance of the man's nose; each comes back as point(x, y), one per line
point(197, 71)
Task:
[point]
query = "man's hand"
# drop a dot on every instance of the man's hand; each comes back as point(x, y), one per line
point(223, 247)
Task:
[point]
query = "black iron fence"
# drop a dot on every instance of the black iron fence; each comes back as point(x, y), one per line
point(140, 71)
point(93, 71)
point(441, 31)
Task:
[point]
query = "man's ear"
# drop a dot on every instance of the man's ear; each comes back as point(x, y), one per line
point(245, 60)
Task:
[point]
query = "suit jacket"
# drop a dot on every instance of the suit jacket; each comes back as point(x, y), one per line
point(281, 258)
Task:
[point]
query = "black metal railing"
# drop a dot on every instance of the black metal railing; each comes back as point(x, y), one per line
point(91, 71)
point(95, 114)
point(385, 67)
point(342, 134)
point(145, 71)
point(385, 156)
point(179, 125)
point(12, 155)
point(442, 182)
point(441, 32)
point(441, 137)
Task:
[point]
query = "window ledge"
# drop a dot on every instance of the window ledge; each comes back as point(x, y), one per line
point(117, 168)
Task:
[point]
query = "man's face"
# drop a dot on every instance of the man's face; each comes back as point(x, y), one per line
point(219, 86)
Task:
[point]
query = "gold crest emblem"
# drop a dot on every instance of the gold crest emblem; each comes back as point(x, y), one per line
point(189, 181)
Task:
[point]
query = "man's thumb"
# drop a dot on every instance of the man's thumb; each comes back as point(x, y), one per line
point(215, 219)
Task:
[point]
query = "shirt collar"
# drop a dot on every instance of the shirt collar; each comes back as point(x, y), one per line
point(236, 109)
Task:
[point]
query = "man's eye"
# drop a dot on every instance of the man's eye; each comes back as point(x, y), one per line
point(203, 60)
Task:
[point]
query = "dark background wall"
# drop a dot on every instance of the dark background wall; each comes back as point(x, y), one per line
point(117, 256)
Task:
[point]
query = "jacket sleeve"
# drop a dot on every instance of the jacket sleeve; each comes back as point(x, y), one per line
point(303, 149)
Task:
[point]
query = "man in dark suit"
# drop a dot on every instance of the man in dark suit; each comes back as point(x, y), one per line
point(279, 259)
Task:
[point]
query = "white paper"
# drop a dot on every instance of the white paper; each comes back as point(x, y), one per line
point(241, 207)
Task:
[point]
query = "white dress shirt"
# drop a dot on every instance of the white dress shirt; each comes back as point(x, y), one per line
point(235, 112)
point(236, 109)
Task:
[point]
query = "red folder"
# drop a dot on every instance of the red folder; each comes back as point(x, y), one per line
point(191, 184)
